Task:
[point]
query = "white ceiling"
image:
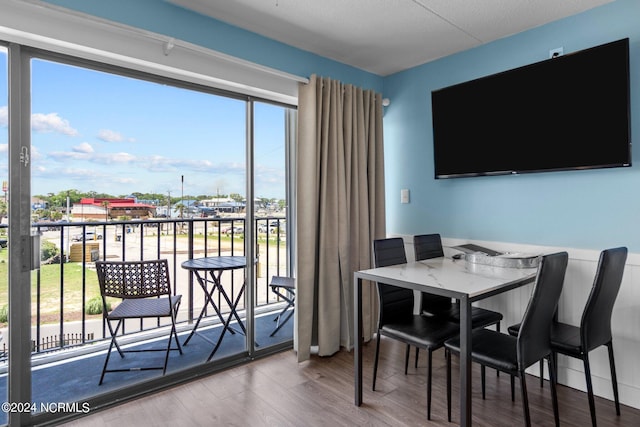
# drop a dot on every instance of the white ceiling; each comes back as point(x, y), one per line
point(387, 36)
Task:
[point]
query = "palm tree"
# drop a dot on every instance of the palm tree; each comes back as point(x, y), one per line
point(105, 205)
point(180, 207)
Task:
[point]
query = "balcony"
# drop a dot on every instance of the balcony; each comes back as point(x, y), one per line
point(67, 337)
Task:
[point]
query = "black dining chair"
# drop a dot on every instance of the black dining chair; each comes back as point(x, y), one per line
point(396, 314)
point(595, 326)
point(513, 355)
point(428, 246)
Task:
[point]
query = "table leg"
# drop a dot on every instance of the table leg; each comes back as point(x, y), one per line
point(215, 348)
point(233, 305)
point(233, 313)
point(465, 362)
point(357, 344)
point(218, 284)
point(208, 299)
point(232, 308)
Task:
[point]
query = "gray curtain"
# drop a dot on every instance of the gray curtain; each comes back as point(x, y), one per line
point(340, 209)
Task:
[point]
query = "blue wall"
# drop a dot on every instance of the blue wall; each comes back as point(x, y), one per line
point(164, 18)
point(581, 209)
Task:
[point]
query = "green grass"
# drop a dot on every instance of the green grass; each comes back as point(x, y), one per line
point(50, 295)
point(50, 292)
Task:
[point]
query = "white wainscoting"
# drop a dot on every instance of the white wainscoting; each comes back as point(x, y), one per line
point(578, 282)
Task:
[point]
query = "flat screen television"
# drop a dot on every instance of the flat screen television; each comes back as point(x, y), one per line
point(565, 113)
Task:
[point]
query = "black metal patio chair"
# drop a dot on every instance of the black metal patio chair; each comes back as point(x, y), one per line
point(145, 290)
point(285, 288)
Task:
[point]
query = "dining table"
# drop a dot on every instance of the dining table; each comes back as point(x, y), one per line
point(459, 279)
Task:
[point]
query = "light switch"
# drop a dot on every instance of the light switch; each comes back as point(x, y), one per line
point(404, 196)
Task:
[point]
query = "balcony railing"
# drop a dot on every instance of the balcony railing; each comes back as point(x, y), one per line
point(65, 288)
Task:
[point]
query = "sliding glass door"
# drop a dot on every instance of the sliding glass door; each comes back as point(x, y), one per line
point(4, 235)
point(129, 166)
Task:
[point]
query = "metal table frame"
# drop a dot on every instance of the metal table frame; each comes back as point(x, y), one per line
point(461, 280)
point(215, 266)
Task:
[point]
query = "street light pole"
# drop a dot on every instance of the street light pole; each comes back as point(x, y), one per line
point(68, 227)
point(168, 204)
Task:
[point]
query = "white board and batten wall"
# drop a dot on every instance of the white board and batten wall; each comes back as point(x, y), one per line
point(578, 281)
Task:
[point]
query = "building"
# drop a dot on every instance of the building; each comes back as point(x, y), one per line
point(104, 209)
point(223, 205)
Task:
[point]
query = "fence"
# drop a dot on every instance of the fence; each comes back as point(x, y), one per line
point(59, 304)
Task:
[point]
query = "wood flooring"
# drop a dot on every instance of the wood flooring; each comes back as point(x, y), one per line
point(278, 391)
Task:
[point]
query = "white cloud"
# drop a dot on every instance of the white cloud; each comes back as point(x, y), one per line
point(110, 135)
point(51, 122)
point(35, 153)
point(84, 147)
point(66, 155)
point(124, 180)
point(79, 173)
point(104, 159)
point(120, 158)
point(4, 116)
point(158, 163)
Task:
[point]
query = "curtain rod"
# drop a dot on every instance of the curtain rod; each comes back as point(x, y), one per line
point(168, 43)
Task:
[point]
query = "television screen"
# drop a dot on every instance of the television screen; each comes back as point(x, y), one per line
point(568, 112)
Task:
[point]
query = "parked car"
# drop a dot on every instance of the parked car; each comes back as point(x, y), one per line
point(88, 235)
point(234, 230)
point(271, 228)
point(3, 242)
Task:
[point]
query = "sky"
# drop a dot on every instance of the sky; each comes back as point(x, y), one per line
point(94, 131)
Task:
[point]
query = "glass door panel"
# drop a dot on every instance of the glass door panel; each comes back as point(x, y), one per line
point(126, 168)
point(274, 320)
point(4, 250)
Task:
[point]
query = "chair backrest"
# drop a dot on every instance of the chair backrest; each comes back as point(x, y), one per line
point(595, 327)
point(133, 279)
point(394, 302)
point(389, 252)
point(427, 246)
point(534, 335)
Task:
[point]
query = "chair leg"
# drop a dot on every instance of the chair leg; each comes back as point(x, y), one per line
point(513, 389)
point(483, 380)
point(417, 351)
point(429, 355)
point(375, 362)
point(525, 399)
point(554, 396)
point(111, 345)
point(541, 372)
point(106, 360)
point(406, 359)
point(175, 336)
point(166, 357)
point(113, 335)
point(448, 356)
point(497, 330)
point(592, 401)
point(614, 378)
point(280, 324)
point(172, 335)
